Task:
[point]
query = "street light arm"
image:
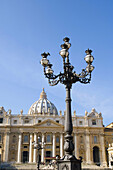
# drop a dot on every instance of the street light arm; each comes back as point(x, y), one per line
point(73, 77)
point(84, 76)
point(52, 78)
point(85, 80)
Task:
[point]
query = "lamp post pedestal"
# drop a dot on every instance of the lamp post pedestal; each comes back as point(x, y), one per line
point(72, 164)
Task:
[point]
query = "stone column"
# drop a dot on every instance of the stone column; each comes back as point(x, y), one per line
point(30, 149)
point(103, 154)
point(75, 141)
point(61, 145)
point(88, 151)
point(19, 149)
point(109, 160)
point(54, 146)
point(42, 155)
point(6, 147)
point(34, 154)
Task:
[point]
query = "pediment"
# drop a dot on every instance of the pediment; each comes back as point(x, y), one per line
point(93, 114)
point(48, 123)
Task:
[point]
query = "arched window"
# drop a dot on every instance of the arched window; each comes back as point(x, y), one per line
point(26, 138)
point(57, 139)
point(14, 139)
point(96, 155)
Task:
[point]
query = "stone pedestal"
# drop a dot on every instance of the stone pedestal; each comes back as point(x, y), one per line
point(73, 164)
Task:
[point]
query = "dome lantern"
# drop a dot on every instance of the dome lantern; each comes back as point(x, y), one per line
point(43, 95)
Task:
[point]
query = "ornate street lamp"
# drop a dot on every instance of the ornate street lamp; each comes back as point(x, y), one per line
point(68, 77)
point(39, 145)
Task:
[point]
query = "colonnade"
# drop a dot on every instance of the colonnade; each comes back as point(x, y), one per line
point(33, 152)
point(42, 150)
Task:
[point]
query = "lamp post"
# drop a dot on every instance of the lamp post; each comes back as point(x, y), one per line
point(38, 146)
point(68, 77)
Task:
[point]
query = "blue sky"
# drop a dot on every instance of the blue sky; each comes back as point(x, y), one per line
point(30, 27)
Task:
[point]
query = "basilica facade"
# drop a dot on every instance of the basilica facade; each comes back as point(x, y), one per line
point(43, 124)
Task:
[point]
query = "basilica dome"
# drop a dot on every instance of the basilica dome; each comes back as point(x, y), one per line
point(43, 106)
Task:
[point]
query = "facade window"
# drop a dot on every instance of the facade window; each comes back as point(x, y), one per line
point(26, 138)
point(48, 147)
point(15, 121)
point(26, 121)
point(57, 139)
point(48, 138)
point(48, 153)
point(0, 138)
point(14, 139)
point(25, 146)
point(81, 139)
point(0, 146)
point(95, 139)
point(93, 122)
point(13, 155)
point(1, 120)
point(80, 122)
point(39, 121)
point(57, 121)
point(57, 147)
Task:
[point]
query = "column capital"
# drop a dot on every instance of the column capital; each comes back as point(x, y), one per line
point(61, 132)
point(102, 134)
point(54, 132)
point(7, 133)
point(87, 133)
point(43, 133)
point(75, 133)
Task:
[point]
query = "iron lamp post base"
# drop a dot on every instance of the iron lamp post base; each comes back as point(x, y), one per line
point(72, 164)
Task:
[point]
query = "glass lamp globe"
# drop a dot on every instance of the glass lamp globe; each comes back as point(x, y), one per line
point(49, 71)
point(64, 53)
point(89, 58)
point(44, 61)
point(89, 68)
